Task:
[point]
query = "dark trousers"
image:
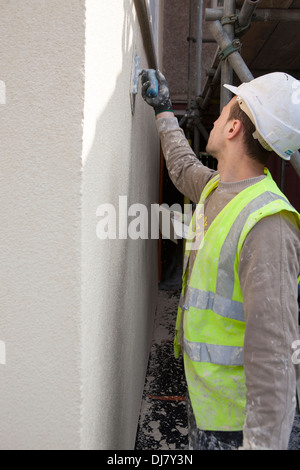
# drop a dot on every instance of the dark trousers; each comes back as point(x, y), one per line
point(210, 440)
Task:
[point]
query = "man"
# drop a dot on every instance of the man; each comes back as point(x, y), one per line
point(238, 313)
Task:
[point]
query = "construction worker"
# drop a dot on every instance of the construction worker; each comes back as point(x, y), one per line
point(238, 314)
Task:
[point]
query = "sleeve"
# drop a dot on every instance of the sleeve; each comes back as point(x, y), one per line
point(268, 271)
point(187, 173)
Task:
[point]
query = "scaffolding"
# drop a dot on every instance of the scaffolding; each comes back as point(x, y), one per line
point(227, 25)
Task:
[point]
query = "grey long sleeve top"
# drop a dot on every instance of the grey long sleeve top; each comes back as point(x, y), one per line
point(268, 271)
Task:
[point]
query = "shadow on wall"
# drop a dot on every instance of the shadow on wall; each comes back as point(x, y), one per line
point(119, 276)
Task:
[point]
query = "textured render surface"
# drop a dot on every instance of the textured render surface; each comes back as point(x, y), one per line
point(119, 277)
point(42, 56)
point(77, 312)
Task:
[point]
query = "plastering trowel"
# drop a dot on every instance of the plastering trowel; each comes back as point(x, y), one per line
point(152, 90)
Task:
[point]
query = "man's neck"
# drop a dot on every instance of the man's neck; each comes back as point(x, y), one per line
point(239, 169)
point(229, 176)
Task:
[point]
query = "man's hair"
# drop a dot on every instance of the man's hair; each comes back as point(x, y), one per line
point(254, 149)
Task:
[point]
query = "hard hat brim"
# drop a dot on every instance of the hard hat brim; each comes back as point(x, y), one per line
point(233, 89)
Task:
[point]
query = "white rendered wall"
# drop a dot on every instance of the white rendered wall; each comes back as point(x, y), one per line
point(42, 57)
point(120, 158)
point(76, 312)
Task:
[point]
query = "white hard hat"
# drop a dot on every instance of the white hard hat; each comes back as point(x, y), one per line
point(272, 102)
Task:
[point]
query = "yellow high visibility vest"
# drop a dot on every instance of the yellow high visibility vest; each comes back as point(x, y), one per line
point(214, 324)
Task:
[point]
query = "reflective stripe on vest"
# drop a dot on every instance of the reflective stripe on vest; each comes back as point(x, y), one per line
point(214, 354)
point(210, 301)
point(225, 284)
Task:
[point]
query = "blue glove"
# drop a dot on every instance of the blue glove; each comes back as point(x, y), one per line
point(161, 101)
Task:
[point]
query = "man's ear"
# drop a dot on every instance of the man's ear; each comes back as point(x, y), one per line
point(234, 128)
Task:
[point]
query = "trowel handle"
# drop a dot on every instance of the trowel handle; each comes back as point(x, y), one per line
point(152, 90)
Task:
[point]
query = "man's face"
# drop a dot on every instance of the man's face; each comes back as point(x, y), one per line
point(216, 139)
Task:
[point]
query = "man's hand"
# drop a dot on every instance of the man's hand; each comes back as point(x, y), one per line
point(162, 102)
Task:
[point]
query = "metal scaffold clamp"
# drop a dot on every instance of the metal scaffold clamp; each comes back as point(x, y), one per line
point(235, 46)
point(234, 20)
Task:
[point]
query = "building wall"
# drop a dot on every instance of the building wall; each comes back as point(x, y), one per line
point(42, 55)
point(76, 312)
point(119, 277)
point(176, 50)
